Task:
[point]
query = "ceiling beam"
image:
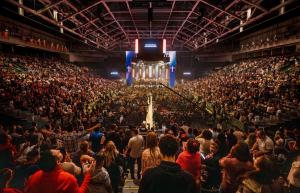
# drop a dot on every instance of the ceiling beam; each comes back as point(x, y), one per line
point(189, 14)
point(103, 39)
point(128, 7)
point(80, 11)
point(251, 20)
point(207, 19)
point(29, 10)
point(50, 6)
point(255, 5)
point(85, 24)
point(157, 10)
point(224, 11)
point(218, 15)
point(100, 28)
point(112, 15)
point(203, 28)
point(173, 5)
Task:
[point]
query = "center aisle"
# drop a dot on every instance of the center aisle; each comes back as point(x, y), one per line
point(130, 187)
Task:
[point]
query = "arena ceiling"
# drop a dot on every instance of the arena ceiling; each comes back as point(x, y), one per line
point(186, 24)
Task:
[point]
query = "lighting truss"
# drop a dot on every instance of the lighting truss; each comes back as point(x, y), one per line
point(123, 21)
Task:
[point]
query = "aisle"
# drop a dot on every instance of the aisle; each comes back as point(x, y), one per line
point(130, 187)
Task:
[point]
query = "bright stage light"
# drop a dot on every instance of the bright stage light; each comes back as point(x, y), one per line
point(150, 45)
point(187, 73)
point(114, 73)
point(164, 46)
point(136, 46)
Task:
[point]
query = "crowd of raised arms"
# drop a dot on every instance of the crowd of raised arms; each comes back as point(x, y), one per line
point(94, 135)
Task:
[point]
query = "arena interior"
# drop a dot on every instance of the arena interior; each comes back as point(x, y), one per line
point(149, 96)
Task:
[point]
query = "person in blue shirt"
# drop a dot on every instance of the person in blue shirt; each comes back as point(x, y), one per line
point(97, 138)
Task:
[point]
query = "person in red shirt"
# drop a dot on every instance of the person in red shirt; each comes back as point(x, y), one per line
point(6, 175)
point(189, 160)
point(52, 179)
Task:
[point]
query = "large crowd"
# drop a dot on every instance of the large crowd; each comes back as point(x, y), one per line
point(94, 137)
point(252, 91)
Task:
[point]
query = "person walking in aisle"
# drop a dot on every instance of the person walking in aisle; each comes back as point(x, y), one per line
point(135, 150)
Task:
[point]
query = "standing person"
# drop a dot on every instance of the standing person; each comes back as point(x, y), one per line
point(239, 134)
point(113, 135)
point(51, 178)
point(84, 149)
point(100, 181)
point(71, 138)
point(294, 175)
point(167, 177)
point(212, 167)
point(97, 138)
point(205, 139)
point(113, 162)
point(66, 163)
point(7, 151)
point(190, 133)
point(235, 164)
point(135, 149)
point(25, 170)
point(261, 180)
point(189, 160)
point(6, 176)
point(263, 145)
point(151, 156)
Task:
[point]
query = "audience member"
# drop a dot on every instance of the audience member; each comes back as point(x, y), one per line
point(51, 178)
point(135, 150)
point(189, 160)
point(6, 176)
point(234, 165)
point(151, 156)
point(100, 180)
point(167, 177)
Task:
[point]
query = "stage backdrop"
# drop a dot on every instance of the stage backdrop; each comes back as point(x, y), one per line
point(129, 57)
point(172, 56)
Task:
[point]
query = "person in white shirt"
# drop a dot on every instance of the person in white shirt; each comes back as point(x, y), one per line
point(263, 144)
point(135, 150)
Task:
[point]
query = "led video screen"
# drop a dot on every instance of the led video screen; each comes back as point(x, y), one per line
point(151, 46)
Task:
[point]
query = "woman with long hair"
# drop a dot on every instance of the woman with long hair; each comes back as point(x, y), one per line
point(151, 156)
point(113, 162)
point(235, 164)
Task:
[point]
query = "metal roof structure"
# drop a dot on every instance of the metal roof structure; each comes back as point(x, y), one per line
point(186, 24)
